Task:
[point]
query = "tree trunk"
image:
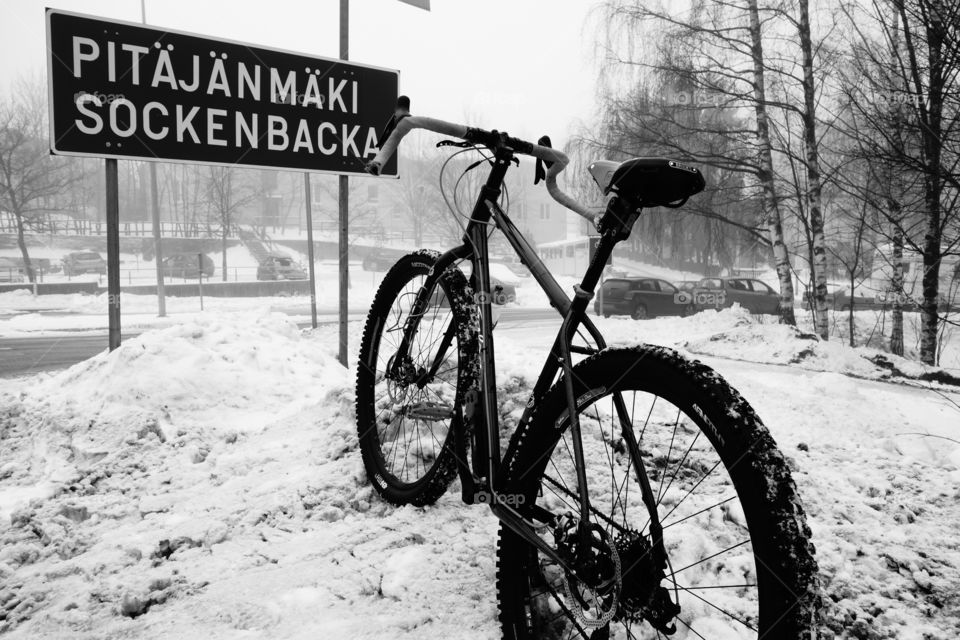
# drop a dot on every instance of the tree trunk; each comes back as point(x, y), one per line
point(771, 208)
point(850, 318)
point(933, 185)
point(22, 243)
point(813, 175)
point(896, 285)
point(929, 320)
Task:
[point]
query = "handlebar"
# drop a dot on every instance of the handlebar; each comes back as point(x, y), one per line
point(556, 160)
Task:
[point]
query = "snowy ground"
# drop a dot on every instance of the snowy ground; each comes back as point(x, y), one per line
point(204, 481)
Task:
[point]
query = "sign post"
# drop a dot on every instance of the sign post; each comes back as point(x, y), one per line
point(155, 214)
point(113, 254)
point(200, 278)
point(313, 276)
point(344, 202)
point(157, 250)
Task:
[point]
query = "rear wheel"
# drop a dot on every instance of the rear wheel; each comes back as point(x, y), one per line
point(639, 312)
point(739, 561)
point(409, 404)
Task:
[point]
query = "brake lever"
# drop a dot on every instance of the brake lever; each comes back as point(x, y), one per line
point(539, 172)
point(402, 111)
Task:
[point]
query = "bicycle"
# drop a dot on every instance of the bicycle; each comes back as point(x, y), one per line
point(600, 532)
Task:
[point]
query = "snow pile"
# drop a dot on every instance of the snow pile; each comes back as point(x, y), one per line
point(735, 333)
point(205, 479)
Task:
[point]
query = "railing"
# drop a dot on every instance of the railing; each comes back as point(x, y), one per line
point(136, 228)
point(144, 229)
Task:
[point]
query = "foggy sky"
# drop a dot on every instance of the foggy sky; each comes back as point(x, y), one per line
point(524, 67)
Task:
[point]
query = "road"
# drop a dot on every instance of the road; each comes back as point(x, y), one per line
point(25, 356)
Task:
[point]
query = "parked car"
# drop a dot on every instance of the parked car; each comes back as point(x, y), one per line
point(83, 262)
point(10, 270)
point(381, 259)
point(839, 299)
point(188, 265)
point(502, 293)
point(720, 293)
point(640, 298)
point(280, 267)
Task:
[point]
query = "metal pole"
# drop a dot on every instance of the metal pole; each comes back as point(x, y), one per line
point(155, 214)
point(344, 200)
point(200, 278)
point(313, 276)
point(157, 251)
point(113, 253)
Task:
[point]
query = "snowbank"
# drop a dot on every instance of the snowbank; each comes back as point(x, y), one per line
point(204, 481)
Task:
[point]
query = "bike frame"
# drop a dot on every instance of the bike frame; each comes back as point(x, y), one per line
point(482, 485)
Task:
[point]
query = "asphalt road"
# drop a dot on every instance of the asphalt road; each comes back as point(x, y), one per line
point(25, 356)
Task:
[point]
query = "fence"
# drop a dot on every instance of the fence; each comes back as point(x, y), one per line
point(136, 228)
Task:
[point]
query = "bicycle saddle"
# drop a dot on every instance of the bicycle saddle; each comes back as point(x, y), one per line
point(648, 182)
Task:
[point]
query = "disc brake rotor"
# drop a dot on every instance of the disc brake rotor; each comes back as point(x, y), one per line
point(604, 597)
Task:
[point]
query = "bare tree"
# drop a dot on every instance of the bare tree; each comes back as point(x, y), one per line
point(764, 172)
point(711, 56)
point(812, 144)
point(907, 120)
point(227, 193)
point(29, 176)
point(419, 198)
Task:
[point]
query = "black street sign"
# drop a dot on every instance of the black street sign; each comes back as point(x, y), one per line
point(122, 90)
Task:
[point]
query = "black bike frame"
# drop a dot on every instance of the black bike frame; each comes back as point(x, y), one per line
point(485, 482)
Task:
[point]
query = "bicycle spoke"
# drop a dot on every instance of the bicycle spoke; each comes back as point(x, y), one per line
point(693, 515)
point(712, 556)
point(720, 609)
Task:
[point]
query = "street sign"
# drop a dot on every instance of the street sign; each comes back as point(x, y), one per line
point(123, 90)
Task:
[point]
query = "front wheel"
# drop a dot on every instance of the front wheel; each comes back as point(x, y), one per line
point(738, 560)
point(414, 370)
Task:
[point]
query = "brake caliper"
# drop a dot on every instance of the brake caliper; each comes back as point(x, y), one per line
point(642, 595)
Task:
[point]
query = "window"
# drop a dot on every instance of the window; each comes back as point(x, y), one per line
point(648, 285)
point(761, 287)
point(666, 287)
point(372, 193)
point(570, 251)
point(544, 211)
point(738, 285)
point(613, 289)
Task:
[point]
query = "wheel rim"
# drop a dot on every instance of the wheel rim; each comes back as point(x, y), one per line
point(712, 572)
point(413, 414)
